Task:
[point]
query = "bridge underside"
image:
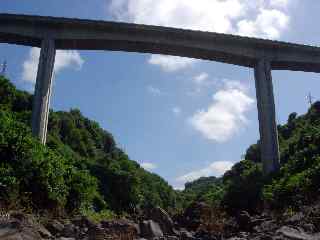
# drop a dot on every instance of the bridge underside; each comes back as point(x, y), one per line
point(51, 33)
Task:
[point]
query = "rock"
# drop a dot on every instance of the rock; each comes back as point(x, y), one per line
point(121, 229)
point(309, 227)
point(83, 222)
point(195, 215)
point(150, 229)
point(19, 229)
point(172, 238)
point(55, 227)
point(266, 226)
point(7, 230)
point(44, 233)
point(96, 233)
point(237, 238)
point(297, 218)
point(185, 235)
point(230, 227)
point(69, 231)
point(244, 221)
point(162, 217)
point(261, 236)
point(294, 234)
point(204, 235)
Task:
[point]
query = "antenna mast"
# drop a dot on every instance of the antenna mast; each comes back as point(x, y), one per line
point(310, 98)
point(3, 68)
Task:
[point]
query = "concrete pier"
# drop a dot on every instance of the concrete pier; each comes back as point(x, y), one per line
point(267, 117)
point(42, 94)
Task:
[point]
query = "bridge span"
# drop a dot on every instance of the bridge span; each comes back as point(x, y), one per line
point(52, 33)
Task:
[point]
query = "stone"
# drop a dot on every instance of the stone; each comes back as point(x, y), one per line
point(236, 238)
point(172, 238)
point(185, 235)
point(162, 217)
point(266, 226)
point(69, 230)
point(296, 218)
point(194, 215)
point(122, 228)
point(44, 232)
point(83, 222)
point(18, 230)
point(150, 229)
point(309, 227)
point(96, 233)
point(55, 227)
point(294, 234)
point(244, 221)
point(7, 230)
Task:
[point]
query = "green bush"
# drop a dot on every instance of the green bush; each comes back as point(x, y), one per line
point(80, 169)
point(243, 187)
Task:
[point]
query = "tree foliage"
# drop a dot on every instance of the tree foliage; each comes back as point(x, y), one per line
point(245, 188)
point(80, 170)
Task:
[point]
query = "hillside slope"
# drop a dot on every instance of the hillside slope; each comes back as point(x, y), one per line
point(80, 170)
point(297, 183)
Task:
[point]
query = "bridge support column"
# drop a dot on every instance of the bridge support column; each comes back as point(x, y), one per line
point(42, 93)
point(267, 118)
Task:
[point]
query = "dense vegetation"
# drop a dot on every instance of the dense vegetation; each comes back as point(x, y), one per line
point(297, 183)
point(204, 189)
point(81, 169)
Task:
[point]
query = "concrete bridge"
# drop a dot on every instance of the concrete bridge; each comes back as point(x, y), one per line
point(50, 33)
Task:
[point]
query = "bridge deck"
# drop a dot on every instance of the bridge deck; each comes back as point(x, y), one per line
point(102, 35)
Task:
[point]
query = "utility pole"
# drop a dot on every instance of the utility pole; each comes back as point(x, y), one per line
point(3, 68)
point(310, 99)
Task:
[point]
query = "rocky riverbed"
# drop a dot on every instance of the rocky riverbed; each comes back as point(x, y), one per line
point(302, 225)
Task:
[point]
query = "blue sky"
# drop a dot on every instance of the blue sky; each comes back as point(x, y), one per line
point(181, 118)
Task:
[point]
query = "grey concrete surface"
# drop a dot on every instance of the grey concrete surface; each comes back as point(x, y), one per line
point(267, 117)
point(42, 94)
point(101, 35)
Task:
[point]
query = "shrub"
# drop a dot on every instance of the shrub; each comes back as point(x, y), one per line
point(243, 187)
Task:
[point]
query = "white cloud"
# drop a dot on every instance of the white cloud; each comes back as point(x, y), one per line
point(262, 18)
point(176, 111)
point(148, 166)
point(207, 15)
point(171, 63)
point(201, 78)
point(201, 82)
point(279, 3)
point(226, 114)
point(154, 91)
point(268, 24)
point(216, 169)
point(64, 59)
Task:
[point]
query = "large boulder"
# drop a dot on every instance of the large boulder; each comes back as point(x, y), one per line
point(244, 221)
point(121, 229)
point(55, 227)
point(19, 226)
point(96, 232)
point(163, 219)
point(150, 229)
point(196, 215)
point(69, 231)
point(296, 234)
